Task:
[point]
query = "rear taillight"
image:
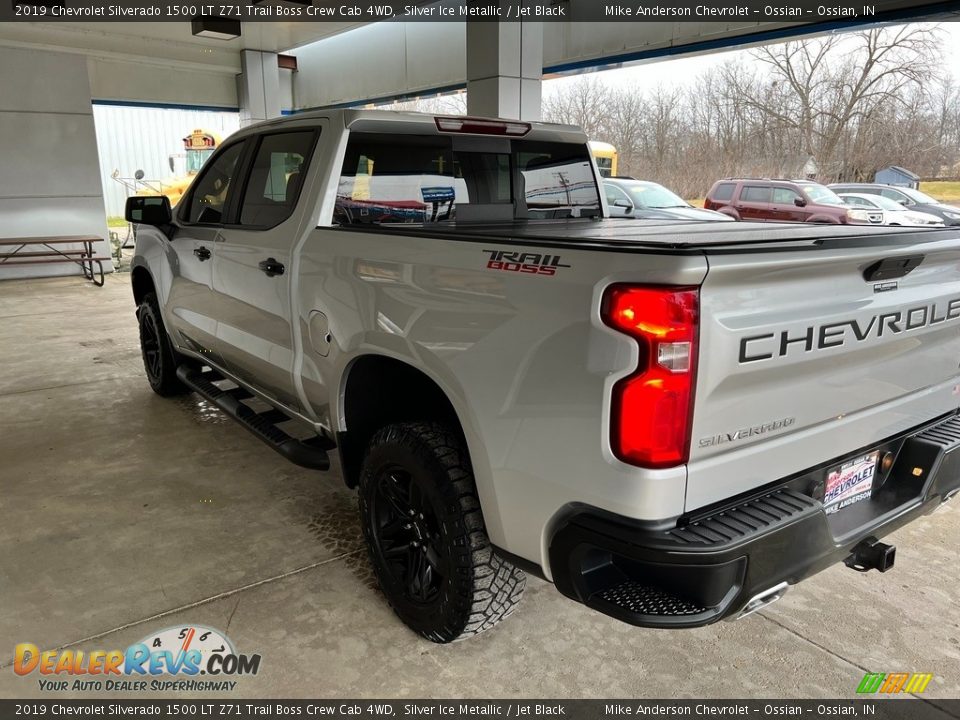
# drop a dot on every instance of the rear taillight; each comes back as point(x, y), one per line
point(652, 407)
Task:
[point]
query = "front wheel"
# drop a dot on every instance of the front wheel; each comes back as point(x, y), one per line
point(426, 537)
point(159, 357)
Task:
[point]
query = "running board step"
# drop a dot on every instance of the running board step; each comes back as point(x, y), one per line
point(238, 392)
point(310, 453)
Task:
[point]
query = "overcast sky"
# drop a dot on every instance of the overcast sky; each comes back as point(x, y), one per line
point(684, 70)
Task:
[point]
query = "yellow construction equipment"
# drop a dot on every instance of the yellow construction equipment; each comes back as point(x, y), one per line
point(198, 147)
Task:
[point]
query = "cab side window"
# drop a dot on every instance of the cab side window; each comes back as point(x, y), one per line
point(208, 197)
point(276, 178)
point(616, 196)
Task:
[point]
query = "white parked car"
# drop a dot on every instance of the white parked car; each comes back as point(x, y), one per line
point(893, 212)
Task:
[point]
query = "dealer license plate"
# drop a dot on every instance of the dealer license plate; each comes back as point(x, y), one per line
point(850, 482)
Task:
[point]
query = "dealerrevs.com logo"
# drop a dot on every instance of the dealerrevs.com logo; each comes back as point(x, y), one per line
point(182, 652)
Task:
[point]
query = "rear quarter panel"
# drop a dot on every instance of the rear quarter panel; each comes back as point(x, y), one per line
point(524, 358)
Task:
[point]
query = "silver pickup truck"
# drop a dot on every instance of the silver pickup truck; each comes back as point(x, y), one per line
point(671, 421)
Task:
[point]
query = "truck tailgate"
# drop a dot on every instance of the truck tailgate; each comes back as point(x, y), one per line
point(808, 354)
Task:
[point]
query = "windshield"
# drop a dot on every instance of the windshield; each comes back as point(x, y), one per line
point(822, 195)
point(427, 179)
point(653, 196)
point(917, 196)
point(196, 159)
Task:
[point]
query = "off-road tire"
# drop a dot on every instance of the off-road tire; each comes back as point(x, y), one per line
point(160, 360)
point(475, 587)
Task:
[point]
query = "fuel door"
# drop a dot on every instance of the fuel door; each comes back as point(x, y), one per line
point(319, 332)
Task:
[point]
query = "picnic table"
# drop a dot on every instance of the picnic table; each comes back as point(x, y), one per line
point(54, 250)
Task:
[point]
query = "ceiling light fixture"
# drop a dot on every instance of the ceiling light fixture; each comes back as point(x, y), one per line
point(216, 27)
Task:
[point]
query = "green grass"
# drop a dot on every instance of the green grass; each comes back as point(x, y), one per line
point(943, 190)
point(116, 221)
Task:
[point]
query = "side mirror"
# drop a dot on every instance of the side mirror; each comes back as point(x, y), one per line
point(623, 204)
point(906, 203)
point(153, 210)
point(799, 202)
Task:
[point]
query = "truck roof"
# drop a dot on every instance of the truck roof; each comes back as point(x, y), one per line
point(402, 122)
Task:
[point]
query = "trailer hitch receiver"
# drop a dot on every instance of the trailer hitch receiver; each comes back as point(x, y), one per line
point(872, 554)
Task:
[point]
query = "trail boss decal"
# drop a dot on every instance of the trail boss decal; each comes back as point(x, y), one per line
point(820, 337)
point(523, 262)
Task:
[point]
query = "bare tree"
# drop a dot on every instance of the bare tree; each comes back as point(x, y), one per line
point(585, 103)
point(624, 126)
point(826, 88)
point(840, 106)
point(450, 104)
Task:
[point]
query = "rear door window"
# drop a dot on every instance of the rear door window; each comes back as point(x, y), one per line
point(755, 193)
point(275, 178)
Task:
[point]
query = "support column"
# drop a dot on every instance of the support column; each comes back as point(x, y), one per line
point(258, 87)
point(504, 69)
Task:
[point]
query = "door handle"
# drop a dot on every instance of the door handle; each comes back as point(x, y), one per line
point(271, 267)
point(202, 253)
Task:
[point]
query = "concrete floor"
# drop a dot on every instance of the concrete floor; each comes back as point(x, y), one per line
point(122, 513)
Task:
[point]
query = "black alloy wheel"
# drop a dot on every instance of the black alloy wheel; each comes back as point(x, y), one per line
point(407, 534)
point(150, 345)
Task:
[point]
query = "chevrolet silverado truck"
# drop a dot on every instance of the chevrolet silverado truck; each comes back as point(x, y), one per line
point(671, 421)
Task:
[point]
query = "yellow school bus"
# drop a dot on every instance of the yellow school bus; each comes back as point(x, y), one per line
point(606, 156)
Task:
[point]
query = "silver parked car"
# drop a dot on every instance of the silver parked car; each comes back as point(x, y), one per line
point(907, 197)
point(891, 212)
point(650, 201)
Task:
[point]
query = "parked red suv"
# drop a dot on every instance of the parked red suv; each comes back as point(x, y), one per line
point(764, 200)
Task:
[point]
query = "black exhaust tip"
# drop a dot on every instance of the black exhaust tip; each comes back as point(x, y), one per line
point(871, 554)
